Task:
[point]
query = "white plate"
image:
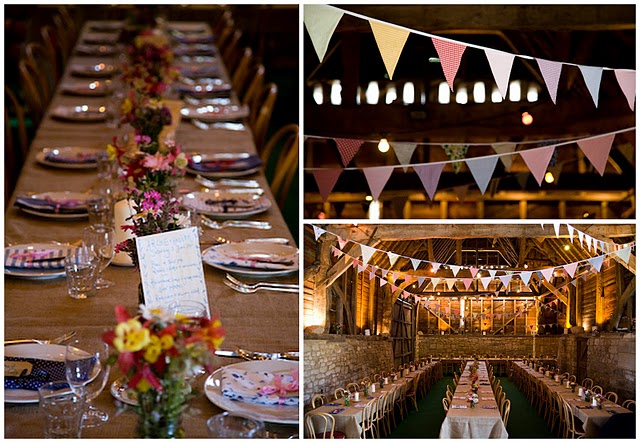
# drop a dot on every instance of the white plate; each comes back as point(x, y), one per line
point(222, 156)
point(214, 254)
point(197, 201)
point(93, 70)
point(87, 88)
point(211, 113)
point(273, 414)
point(80, 113)
point(41, 157)
point(30, 350)
point(64, 195)
point(36, 274)
point(120, 393)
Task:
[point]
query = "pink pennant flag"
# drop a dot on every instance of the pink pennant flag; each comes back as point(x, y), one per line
point(372, 273)
point(421, 281)
point(485, 282)
point(336, 252)
point(354, 263)
point(394, 276)
point(415, 263)
point(473, 271)
point(596, 262)
point(505, 279)
point(547, 273)
point(551, 73)
point(317, 231)
point(624, 254)
point(504, 148)
point(455, 269)
point(537, 160)
point(435, 266)
point(347, 148)
point(450, 54)
point(404, 151)
point(376, 178)
point(570, 268)
point(501, 64)
point(467, 282)
point(451, 282)
point(367, 252)
point(392, 257)
point(326, 180)
point(393, 287)
point(382, 282)
point(597, 150)
point(384, 273)
point(342, 242)
point(482, 169)
point(360, 268)
point(434, 282)
point(592, 77)
point(525, 277)
point(429, 176)
point(627, 81)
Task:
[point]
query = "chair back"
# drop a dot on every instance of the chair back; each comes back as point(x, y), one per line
point(221, 23)
point(15, 142)
point(241, 71)
point(339, 393)
point(251, 93)
point(501, 400)
point(38, 56)
point(630, 405)
point(597, 389)
point(230, 51)
point(572, 378)
point(612, 396)
point(260, 125)
point(319, 424)
point(587, 383)
point(445, 404)
point(369, 417)
point(32, 93)
point(506, 409)
point(55, 48)
point(318, 400)
point(351, 387)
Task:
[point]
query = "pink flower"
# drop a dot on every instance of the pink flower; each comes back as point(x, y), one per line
point(157, 162)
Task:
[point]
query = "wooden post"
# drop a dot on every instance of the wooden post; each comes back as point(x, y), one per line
point(444, 209)
point(562, 209)
point(523, 209)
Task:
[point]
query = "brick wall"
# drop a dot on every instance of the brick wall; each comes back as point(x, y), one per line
point(454, 345)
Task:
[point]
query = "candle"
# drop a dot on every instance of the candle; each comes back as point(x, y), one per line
point(581, 392)
point(386, 380)
point(121, 211)
point(594, 402)
point(373, 388)
point(356, 396)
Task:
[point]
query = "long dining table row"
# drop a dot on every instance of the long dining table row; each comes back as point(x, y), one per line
point(41, 308)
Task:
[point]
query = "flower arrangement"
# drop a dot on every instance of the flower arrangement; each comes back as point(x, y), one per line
point(472, 399)
point(599, 399)
point(365, 387)
point(147, 116)
point(573, 386)
point(157, 353)
point(149, 70)
point(393, 376)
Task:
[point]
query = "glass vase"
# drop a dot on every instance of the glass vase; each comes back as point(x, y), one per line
point(160, 414)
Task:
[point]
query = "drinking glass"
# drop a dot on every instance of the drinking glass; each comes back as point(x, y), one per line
point(188, 308)
point(87, 372)
point(101, 240)
point(62, 410)
point(234, 425)
point(81, 268)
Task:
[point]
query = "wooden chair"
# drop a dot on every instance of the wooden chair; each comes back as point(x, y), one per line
point(366, 380)
point(16, 143)
point(379, 419)
point(339, 393)
point(230, 51)
point(326, 427)
point(225, 34)
point(55, 48)
point(587, 383)
point(506, 409)
point(376, 378)
point(572, 378)
point(558, 416)
point(449, 396)
point(445, 404)
point(33, 95)
point(352, 387)
point(225, 17)
point(611, 396)
point(390, 399)
point(251, 92)
point(65, 34)
point(500, 400)
point(241, 72)
point(413, 392)
point(630, 405)
point(286, 163)
point(70, 26)
point(44, 67)
point(597, 389)
point(571, 427)
point(449, 389)
point(318, 400)
point(369, 418)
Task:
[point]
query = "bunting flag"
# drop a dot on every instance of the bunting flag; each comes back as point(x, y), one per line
point(372, 273)
point(392, 257)
point(367, 252)
point(627, 81)
point(473, 271)
point(336, 253)
point(624, 254)
point(360, 268)
point(570, 228)
point(501, 64)
point(435, 266)
point(525, 277)
point(326, 180)
point(451, 283)
point(597, 150)
point(348, 148)
point(317, 232)
point(551, 73)
point(450, 54)
point(485, 282)
point(547, 273)
point(403, 152)
point(492, 273)
point(394, 276)
point(434, 282)
point(382, 282)
point(455, 269)
point(342, 242)
point(390, 40)
point(596, 262)
point(503, 148)
point(429, 176)
point(592, 76)
point(482, 168)
point(556, 228)
point(415, 263)
point(421, 281)
point(321, 22)
point(505, 279)
point(537, 161)
point(467, 282)
point(570, 268)
point(377, 178)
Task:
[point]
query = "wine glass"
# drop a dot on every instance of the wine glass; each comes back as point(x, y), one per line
point(101, 240)
point(87, 372)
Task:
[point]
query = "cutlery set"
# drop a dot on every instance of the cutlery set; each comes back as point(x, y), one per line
point(251, 288)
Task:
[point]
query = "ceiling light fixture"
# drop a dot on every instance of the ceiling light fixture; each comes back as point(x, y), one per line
point(527, 118)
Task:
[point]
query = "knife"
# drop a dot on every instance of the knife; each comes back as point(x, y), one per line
point(259, 355)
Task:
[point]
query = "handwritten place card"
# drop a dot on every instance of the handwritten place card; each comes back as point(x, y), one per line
point(171, 268)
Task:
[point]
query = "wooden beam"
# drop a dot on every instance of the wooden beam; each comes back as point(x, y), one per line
point(631, 266)
point(552, 288)
point(629, 291)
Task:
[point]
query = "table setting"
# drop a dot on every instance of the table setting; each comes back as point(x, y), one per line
point(61, 279)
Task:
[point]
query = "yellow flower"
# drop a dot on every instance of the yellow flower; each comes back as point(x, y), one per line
point(130, 336)
point(127, 106)
point(181, 161)
point(166, 342)
point(112, 151)
point(143, 385)
point(153, 351)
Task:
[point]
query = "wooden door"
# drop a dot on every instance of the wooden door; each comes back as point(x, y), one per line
point(403, 331)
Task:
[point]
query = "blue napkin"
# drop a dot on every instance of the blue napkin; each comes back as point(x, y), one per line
point(42, 371)
point(20, 258)
point(78, 158)
point(332, 404)
point(234, 165)
point(336, 411)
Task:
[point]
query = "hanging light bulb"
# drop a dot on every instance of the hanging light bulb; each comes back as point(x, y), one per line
point(527, 118)
point(548, 177)
point(383, 145)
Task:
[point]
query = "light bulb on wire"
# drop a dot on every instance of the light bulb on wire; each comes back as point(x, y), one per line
point(548, 177)
point(527, 118)
point(383, 145)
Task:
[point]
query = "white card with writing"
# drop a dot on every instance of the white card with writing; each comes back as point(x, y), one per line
point(171, 268)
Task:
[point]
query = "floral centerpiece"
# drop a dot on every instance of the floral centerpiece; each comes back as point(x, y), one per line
point(147, 116)
point(587, 395)
point(393, 376)
point(158, 353)
point(149, 70)
point(599, 400)
point(365, 387)
point(573, 386)
point(472, 399)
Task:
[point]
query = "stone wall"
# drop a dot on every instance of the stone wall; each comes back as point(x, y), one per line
point(332, 361)
point(611, 361)
point(455, 345)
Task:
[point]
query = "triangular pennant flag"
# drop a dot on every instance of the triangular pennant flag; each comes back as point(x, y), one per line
point(321, 21)
point(451, 283)
point(342, 242)
point(525, 277)
point(450, 54)
point(429, 176)
point(415, 263)
point(473, 271)
point(503, 148)
point(505, 279)
point(482, 169)
point(556, 228)
point(547, 273)
point(360, 268)
point(570, 268)
point(627, 81)
point(390, 40)
point(392, 257)
point(501, 64)
point(372, 273)
point(404, 151)
point(455, 269)
point(384, 273)
point(421, 281)
point(382, 282)
point(347, 148)
point(435, 266)
point(467, 282)
point(574, 282)
point(551, 73)
point(492, 272)
point(377, 178)
point(537, 160)
point(317, 231)
point(367, 252)
point(434, 282)
point(522, 178)
point(393, 287)
point(624, 254)
point(597, 150)
point(580, 237)
point(394, 276)
point(596, 262)
point(336, 252)
point(354, 263)
point(570, 228)
point(326, 180)
point(592, 77)
point(587, 241)
point(485, 282)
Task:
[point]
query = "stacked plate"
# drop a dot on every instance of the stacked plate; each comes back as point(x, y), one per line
point(211, 113)
point(50, 360)
point(203, 86)
point(80, 113)
point(55, 204)
point(36, 260)
point(224, 164)
point(96, 88)
point(253, 259)
point(69, 157)
point(227, 203)
point(94, 70)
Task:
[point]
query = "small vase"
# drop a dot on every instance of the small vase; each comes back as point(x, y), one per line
point(160, 414)
point(165, 427)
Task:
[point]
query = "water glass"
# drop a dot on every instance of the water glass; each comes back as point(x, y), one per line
point(114, 112)
point(62, 409)
point(81, 267)
point(234, 425)
point(188, 308)
point(100, 211)
point(101, 239)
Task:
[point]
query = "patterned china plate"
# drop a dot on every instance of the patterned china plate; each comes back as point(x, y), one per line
point(30, 350)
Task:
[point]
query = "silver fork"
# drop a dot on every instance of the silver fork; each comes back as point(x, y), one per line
point(213, 224)
point(246, 288)
point(53, 341)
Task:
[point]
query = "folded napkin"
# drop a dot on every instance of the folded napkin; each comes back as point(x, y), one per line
point(234, 165)
point(52, 206)
point(273, 262)
point(71, 157)
point(42, 371)
point(458, 407)
point(194, 38)
point(34, 259)
point(584, 407)
point(336, 411)
point(194, 49)
point(612, 412)
point(489, 407)
point(360, 405)
point(262, 388)
point(332, 404)
point(233, 205)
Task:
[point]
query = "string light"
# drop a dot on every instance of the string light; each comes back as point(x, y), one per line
point(549, 178)
point(383, 145)
point(527, 118)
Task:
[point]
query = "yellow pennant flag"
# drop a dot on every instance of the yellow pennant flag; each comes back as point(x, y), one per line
point(390, 40)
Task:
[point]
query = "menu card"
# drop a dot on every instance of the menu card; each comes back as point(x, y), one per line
point(171, 268)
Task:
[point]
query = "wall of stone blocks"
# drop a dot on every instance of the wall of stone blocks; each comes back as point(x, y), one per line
point(332, 361)
point(454, 346)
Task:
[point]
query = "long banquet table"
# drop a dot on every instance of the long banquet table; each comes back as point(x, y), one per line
point(265, 321)
point(592, 418)
point(482, 421)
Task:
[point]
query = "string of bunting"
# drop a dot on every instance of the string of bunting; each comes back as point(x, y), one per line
point(596, 148)
point(322, 20)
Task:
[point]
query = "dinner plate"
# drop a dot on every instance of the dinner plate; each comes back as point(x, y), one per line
point(83, 49)
point(86, 88)
point(35, 274)
point(119, 392)
point(42, 157)
point(211, 113)
point(229, 156)
point(203, 86)
point(64, 195)
point(253, 203)
point(30, 350)
point(80, 113)
point(272, 414)
point(93, 70)
point(100, 38)
point(220, 257)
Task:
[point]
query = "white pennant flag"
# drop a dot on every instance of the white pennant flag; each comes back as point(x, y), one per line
point(404, 151)
point(505, 279)
point(415, 263)
point(587, 241)
point(570, 228)
point(556, 228)
point(547, 273)
point(501, 64)
point(435, 266)
point(392, 257)
point(492, 272)
point(360, 268)
point(580, 237)
point(372, 273)
point(321, 22)
point(382, 282)
point(525, 277)
point(503, 148)
point(367, 252)
point(624, 254)
point(485, 282)
point(592, 77)
point(570, 268)
point(342, 242)
point(318, 231)
point(384, 273)
point(434, 282)
point(596, 262)
point(455, 269)
point(482, 169)
point(451, 283)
